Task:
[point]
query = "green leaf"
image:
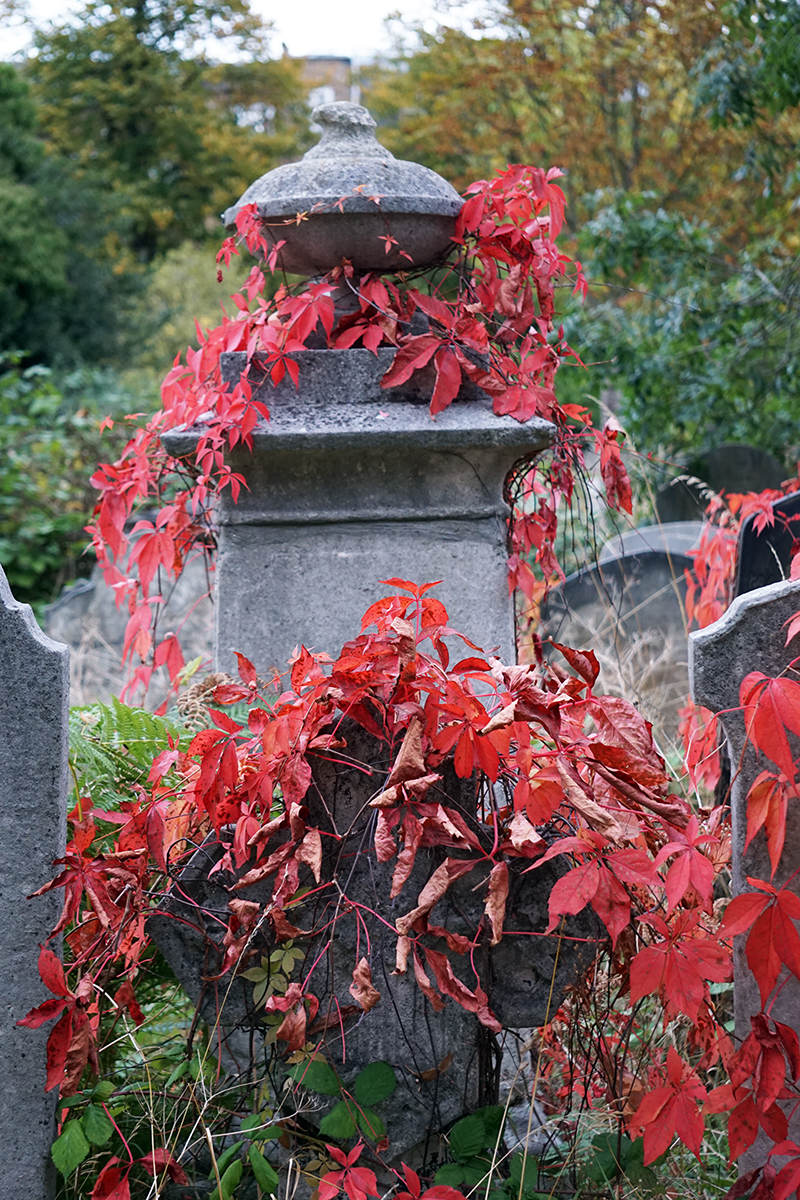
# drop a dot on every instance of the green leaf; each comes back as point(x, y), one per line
point(375, 1083)
point(104, 1091)
point(257, 1128)
point(265, 1173)
point(339, 1122)
point(476, 1170)
point(70, 1149)
point(317, 1076)
point(178, 1073)
point(254, 974)
point(468, 1137)
point(370, 1123)
point(610, 1157)
point(451, 1173)
point(229, 1182)
point(225, 1159)
point(96, 1125)
point(493, 1116)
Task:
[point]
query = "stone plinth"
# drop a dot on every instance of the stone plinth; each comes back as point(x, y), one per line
point(750, 637)
point(33, 810)
point(350, 484)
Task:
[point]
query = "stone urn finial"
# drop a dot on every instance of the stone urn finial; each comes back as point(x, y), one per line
point(360, 202)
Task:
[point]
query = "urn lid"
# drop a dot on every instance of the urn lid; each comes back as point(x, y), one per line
point(360, 202)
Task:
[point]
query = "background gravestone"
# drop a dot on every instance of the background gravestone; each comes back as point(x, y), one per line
point(33, 807)
point(750, 636)
point(764, 558)
point(87, 619)
point(730, 467)
point(629, 607)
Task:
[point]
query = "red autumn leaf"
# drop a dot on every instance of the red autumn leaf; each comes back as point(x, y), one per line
point(573, 891)
point(672, 1109)
point(767, 803)
point(771, 707)
point(474, 1002)
point(159, 1160)
point(448, 379)
point(362, 989)
point(583, 661)
point(412, 355)
point(495, 907)
point(112, 1182)
point(612, 904)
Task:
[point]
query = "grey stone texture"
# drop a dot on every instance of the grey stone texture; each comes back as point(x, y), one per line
point(750, 636)
point(333, 186)
point(350, 484)
point(629, 608)
point(33, 807)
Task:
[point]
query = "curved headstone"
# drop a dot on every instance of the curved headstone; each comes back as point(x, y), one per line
point(33, 807)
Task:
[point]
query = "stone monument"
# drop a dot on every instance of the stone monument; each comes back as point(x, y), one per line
point(33, 820)
point(349, 483)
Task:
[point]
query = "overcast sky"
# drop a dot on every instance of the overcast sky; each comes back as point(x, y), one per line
point(352, 28)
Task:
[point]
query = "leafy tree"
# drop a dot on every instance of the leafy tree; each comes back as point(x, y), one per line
point(127, 95)
point(49, 439)
point(605, 90)
point(701, 342)
point(32, 249)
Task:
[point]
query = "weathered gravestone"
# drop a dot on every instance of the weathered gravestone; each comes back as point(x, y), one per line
point(629, 607)
point(33, 808)
point(350, 484)
point(749, 637)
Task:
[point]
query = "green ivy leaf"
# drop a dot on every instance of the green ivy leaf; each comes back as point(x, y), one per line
point(258, 1130)
point(375, 1083)
point(468, 1137)
point(338, 1123)
point(370, 1123)
point(224, 1160)
point(265, 1173)
point(317, 1076)
point(451, 1173)
point(96, 1125)
point(179, 1072)
point(229, 1182)
point(70, 1149)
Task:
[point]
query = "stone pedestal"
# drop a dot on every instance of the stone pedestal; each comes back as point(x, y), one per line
point(350, 484)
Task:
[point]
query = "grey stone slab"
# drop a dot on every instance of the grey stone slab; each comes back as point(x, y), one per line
point(630, 611)
point(750, 636)
point(33, 804)
point(673, 537)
